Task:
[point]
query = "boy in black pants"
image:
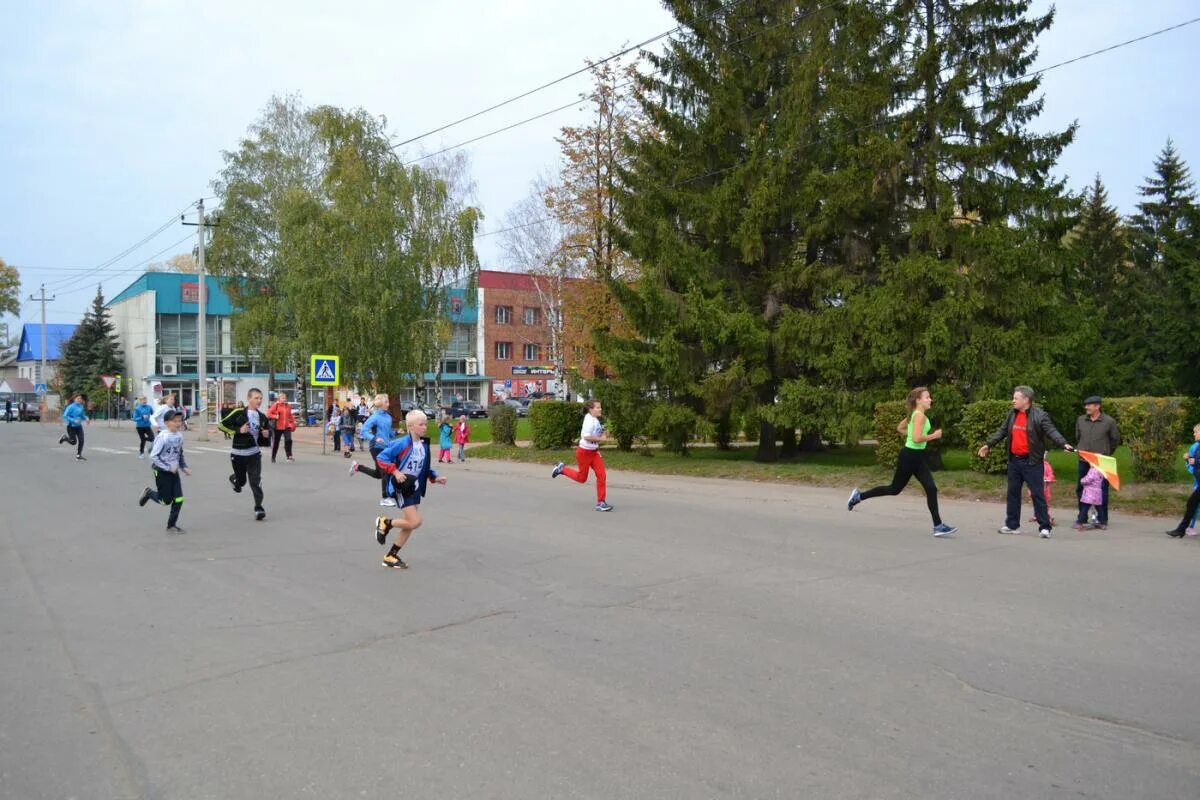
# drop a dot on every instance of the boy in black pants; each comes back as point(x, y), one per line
point(248, 428)
point(167, 459)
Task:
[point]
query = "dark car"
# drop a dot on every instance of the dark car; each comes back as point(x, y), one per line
point(470, 408)
point(519, 406)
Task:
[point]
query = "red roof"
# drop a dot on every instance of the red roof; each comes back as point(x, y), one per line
point(494, 279)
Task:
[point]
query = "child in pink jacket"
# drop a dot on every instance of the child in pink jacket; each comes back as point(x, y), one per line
point(1091, 495)
point(462, 435)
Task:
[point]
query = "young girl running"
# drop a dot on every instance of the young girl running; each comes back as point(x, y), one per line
point(912, 460)
point(587, 455)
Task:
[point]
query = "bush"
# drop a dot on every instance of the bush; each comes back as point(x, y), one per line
point(979, 421)
point(750, 419)
point(1150, 427)
point(947, 414)
point(504, 424)
point(626, 412)
point(888, 443)
point(674, 426)
point(556, 423)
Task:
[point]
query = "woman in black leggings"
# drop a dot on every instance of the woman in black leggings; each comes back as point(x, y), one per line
point(912, 460)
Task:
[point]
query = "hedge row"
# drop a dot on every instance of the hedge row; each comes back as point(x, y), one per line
point(556, 424)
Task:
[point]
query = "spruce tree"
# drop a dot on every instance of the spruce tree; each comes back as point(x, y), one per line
point(1165, 235)
point(93, 350)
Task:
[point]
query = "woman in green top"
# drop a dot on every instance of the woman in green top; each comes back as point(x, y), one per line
point(912, 460)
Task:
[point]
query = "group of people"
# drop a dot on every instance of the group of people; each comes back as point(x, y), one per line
point(402, 462)
point(1028, 431)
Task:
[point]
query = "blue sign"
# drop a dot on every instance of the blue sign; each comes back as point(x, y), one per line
point(323, 371)
point(508, 383)
point(40, 388)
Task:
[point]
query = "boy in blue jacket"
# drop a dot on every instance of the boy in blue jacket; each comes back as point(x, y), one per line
point(142, 412)
point(74, 416)
point(406, 461)
point(377, 431)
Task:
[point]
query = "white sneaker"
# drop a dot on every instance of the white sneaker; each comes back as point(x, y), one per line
point(1044, 533)
point(141, 456)
point(387, 502)
point(1006, 529)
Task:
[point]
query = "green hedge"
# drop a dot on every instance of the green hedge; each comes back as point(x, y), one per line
point(504, 424)
point(556, 424)
point(1150, 427)
point(979, 421)
point(887, 416)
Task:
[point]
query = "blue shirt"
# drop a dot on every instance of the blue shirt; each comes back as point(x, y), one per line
point(141, 415)
point(74, 415)
point(378, 428)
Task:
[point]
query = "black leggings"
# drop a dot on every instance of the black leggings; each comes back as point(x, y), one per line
point(1189, 513)
point(75, 437)
point(911, 463)
point(170, 493)
point(144, 435)
point(376, 472)
point(286, 436)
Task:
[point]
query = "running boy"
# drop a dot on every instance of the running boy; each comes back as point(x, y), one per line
point(406, 460)
point(248, 428)
point(167, 461)
point(377, 431)
point(74, 416)
point(141, 421)
point(587, 455)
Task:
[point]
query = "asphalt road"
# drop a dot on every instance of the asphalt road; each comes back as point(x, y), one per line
point(707, 639)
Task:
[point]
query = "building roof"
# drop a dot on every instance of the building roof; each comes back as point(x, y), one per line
point(30, 348)
point(17, 386)
point(494, 279)
point(177, 293)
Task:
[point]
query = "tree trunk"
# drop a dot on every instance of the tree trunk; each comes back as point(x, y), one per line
point(812, 443)
point(788, 437)
point(767, 451)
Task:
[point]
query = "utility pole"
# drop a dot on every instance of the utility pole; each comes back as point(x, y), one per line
point(202, 321)
point(43, 300)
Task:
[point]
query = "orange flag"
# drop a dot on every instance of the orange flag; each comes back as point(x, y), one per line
point(1106, 464)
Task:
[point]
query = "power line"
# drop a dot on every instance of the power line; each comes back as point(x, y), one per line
point(789, 21)
point(556, 81)
point(137, 265)
point(68, 282)
point(892, 120)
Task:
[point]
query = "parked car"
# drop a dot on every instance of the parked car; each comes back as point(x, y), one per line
point(470, 408)
point(522, 408)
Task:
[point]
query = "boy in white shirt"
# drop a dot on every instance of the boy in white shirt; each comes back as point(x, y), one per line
point(587, 455)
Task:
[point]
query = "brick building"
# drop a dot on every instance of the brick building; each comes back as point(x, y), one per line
point(514, 335)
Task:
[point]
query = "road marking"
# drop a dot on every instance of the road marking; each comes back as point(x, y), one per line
point(109, 450)
point(208, 449)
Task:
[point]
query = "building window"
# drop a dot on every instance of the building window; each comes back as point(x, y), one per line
point(533, 352)
point(503, 351)
point(533, 316)
point(504, 315)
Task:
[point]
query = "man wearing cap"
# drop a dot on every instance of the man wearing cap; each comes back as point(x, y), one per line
point(1095, 432)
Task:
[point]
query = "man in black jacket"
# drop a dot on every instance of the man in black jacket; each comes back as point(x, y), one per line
point(1027, 428)
point(248, 427)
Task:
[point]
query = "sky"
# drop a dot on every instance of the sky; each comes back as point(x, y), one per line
point(114, 116)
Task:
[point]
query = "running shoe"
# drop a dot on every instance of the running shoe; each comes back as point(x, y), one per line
point(1178, 534)
point(558, 468)
point(855, 499)
point(603, 506)
point(1044, 533)
point(175, 529)
point(387, 502)
point(944, 530)
point(353, 467)
point(80, 458)
point(1190, 532)
point(141, 456)
point(233, 482)
point(394, 562)
point(145, 498)
point(260, 513)
point(1006, 529)
point(382, 526)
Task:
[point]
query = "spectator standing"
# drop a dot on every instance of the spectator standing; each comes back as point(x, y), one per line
point(1026, 428)
point(280, 413)
point(1095, 432)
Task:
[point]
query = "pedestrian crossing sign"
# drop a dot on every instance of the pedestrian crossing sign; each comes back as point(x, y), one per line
point(323, 371)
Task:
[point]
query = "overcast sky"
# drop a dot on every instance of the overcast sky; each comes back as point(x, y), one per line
point(113, 115)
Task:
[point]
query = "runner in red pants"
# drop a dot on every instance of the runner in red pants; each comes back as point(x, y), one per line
point(588, 455)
